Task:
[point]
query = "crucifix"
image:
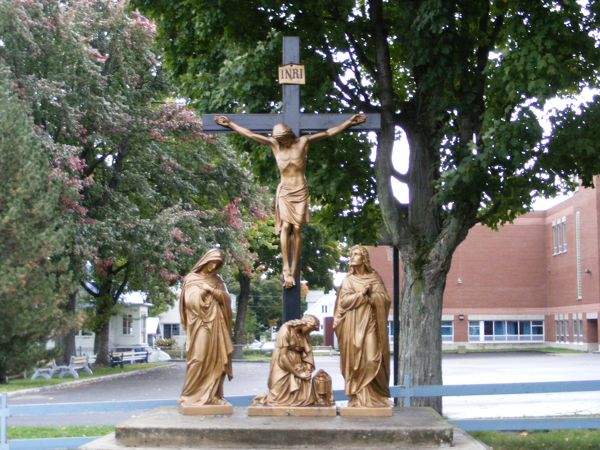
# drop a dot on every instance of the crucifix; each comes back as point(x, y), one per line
point(290, 147)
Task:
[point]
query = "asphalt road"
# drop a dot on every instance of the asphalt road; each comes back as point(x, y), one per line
point(250, 379)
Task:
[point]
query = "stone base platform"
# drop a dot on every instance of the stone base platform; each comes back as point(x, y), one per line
point(366, 412)
point(411, 428)
point(297, 411)
point(206, 410)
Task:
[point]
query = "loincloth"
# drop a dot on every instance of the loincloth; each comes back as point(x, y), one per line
point(291, 206)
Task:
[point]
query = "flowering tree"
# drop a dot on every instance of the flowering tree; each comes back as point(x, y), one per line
point(149, 192)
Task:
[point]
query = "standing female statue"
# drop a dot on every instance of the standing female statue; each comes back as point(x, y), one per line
point(360, 322)
point(291, 199)
point(205, 309)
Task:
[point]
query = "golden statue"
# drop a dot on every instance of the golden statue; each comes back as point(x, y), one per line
point(291, 199)
point(360, 322)
point(292, 365)
point(323, 387)
point(205, 309)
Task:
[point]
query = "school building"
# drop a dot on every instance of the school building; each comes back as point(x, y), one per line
point(533, 282)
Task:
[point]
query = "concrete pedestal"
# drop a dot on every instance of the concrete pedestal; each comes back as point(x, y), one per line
point(206, 410)
point(299, 411)
point(414, 428)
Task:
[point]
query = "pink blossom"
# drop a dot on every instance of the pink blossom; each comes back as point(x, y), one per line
point(157, 136)
point(187, 250)
point(169, 255)
point(144, 23)
point(76, 164)
point(96, 55)
point(177, 234)
point(102, 265)
point(169, 277)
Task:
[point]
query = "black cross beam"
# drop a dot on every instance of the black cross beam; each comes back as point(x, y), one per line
point(291, 115)
point(300, 123)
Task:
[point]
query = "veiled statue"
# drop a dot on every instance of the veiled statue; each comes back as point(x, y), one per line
point(205, 309)
point(292, 366)
point(291, 198)
point(360, 323)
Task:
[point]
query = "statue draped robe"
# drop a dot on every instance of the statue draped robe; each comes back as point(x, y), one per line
point(292, 349)
point(291, 206)
point(360, 324)
point(206, 317)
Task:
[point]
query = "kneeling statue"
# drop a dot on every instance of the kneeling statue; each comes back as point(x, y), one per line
point(292, 366)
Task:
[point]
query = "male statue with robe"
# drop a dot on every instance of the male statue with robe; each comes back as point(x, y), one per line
point(360, 323)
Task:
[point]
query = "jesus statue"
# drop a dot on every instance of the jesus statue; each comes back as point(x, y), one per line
point(291, 199)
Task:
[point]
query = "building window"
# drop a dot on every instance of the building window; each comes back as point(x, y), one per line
point(474, 330)
point(128, 325)
point(447, 331)
point(85, 332)
point(559, 236)
point(577, 329)
point(562, 329)
point(324, 309)
point(506, 330)
point(170, 330)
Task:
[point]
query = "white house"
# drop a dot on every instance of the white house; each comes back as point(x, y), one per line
point(170, 325)
point(130, 328)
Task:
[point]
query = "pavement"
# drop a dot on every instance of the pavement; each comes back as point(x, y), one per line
point(250, 378)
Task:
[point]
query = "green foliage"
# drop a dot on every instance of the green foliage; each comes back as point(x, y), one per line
point(464, 81)
point(266, 304)
point(317, 339)
point(31, 432)
point(466, 78)
point(224, 57)
point(167, 342)
point(541, 440)
point(149, 190)
point(250, 327)
point(34, 276)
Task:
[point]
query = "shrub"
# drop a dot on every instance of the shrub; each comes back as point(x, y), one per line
point(166, 343)
point(317, 339)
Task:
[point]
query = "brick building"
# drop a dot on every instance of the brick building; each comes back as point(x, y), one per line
point(535, 281)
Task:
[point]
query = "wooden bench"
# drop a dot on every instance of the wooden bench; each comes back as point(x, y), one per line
point(129, 357)
point(75, 363)
point(46, 372)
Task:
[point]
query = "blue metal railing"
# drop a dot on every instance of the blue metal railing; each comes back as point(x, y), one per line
point(406, 392)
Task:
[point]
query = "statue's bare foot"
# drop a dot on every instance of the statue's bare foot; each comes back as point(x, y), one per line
point(288, 281)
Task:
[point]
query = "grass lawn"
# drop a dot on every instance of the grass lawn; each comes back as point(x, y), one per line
point(58, 432)
point(19, 384)
point(256, 357)
point(541, 440)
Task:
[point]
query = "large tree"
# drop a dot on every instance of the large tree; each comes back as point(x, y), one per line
point(34, 276)
point(152, 191)
point(463, 80)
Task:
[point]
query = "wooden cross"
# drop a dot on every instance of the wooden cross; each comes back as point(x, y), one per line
point(300, 123)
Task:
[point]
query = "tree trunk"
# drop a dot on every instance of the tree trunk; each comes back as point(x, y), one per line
point(241, 308)
point(420, 329)
point(101, 344)
point(69, 348)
